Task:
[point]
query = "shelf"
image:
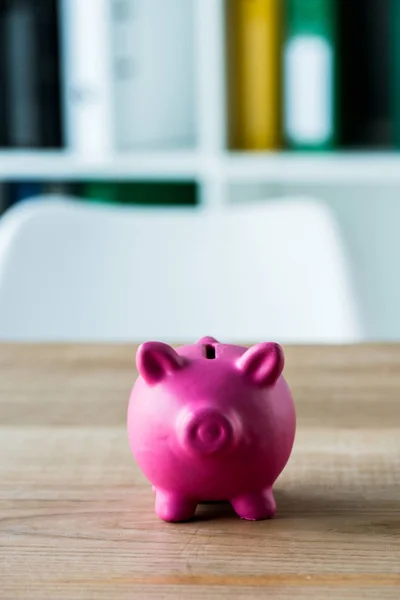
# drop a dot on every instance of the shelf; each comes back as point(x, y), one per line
point(227, 167)
point(336, 167)
point(52, 165)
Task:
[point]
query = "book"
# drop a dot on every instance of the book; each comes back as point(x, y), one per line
point(87, 76)
point(4, 197)
point(24, 190)
point(394, 69)
point(49, 73)
point(64, 189)
point(253, 45)
point(3, 107)
point(309, 74)
point(30, 74)
point(147, 193)
point(100, 191)
point(20, 81)
point(153, 73)
point(366, 80)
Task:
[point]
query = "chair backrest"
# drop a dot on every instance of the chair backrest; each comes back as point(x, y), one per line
point(76, 271)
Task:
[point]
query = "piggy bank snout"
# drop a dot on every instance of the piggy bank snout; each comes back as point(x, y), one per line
point(208, 431)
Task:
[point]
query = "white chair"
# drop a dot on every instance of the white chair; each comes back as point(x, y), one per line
point(85, 272)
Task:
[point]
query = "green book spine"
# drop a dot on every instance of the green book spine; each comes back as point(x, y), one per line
point(157, 193)
point(100, 191)
point(147, 193)
point(310, 74)
point(395, 74)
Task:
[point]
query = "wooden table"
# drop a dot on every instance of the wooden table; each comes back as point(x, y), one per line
point(76, 515)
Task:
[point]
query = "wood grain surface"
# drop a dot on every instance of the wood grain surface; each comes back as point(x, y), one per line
point(77, 518)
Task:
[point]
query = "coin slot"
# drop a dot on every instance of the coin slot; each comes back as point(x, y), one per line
point(209, 351)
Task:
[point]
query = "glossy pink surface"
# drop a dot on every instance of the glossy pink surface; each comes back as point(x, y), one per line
point(210, 422)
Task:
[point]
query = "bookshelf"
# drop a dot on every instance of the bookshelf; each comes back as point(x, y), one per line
point(362, 187)
point(209, 163)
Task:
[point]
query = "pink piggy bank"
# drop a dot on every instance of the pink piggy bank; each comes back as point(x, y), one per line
point(211, 422)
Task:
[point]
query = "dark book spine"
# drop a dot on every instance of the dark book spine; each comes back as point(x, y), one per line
point(395, 69)
point(365, 73)
point(3, 110)
point(49, 75)
point(31, 85)
point(20, 84)
point(5, 196)
point(24, 190)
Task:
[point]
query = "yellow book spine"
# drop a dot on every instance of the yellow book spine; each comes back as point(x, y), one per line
point(255, 74)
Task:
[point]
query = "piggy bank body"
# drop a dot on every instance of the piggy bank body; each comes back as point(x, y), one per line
point(211, 422)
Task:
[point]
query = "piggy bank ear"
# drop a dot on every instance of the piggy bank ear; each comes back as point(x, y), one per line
point(262, 363)
point(155, 360)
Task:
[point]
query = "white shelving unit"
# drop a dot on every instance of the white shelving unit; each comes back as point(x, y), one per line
point(361, 188)
point(211, 165)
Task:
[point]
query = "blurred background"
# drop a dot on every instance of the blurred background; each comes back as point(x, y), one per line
point(180, 168)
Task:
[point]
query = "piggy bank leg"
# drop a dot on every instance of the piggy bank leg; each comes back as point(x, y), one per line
point(172, 507)
point(255, 506)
